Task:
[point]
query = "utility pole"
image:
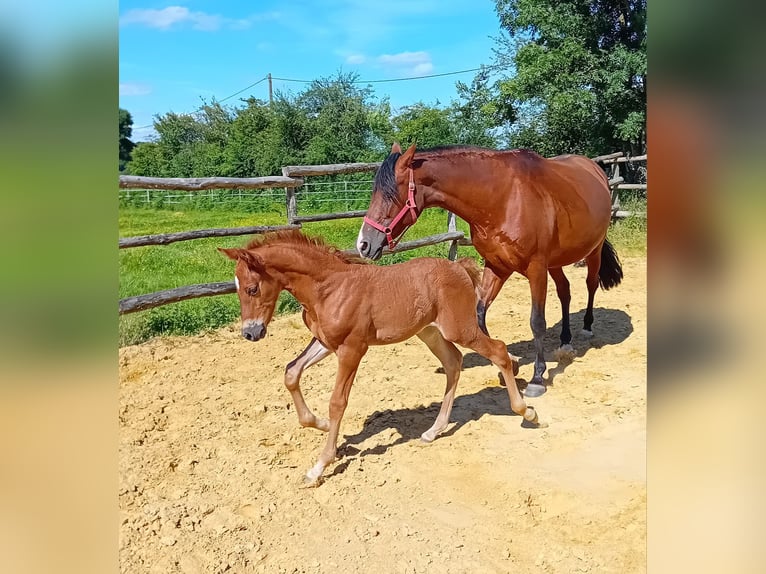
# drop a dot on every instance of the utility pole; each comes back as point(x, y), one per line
point(271, 97)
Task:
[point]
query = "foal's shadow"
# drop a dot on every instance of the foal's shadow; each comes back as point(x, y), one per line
point(410, 423)
point(610, 327)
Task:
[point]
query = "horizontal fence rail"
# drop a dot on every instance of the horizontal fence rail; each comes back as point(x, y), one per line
point(199, 183)
point(290, 181)
point(167, 238)
point(144, 302)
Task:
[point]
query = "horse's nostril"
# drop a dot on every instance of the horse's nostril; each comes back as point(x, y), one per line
point(364, 248)
point(248, 335)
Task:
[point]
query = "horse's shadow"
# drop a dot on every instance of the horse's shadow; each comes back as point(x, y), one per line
point(610, 327)
point(410, 423)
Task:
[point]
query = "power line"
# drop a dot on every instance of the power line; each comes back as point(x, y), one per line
point(263, 79)
point(353, 82)
point(391, 79)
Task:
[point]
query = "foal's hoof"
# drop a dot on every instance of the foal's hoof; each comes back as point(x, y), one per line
point(427, 438)
point(534, 390)
point(309, 482)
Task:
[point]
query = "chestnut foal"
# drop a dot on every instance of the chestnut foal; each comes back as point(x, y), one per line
point(348, 306)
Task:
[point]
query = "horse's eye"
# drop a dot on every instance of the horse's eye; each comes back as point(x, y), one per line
point(252, 290)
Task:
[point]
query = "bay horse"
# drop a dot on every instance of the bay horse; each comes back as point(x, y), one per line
point(349, 305)
point(526, 214)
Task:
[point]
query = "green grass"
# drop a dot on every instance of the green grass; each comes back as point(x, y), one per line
point(154, 268)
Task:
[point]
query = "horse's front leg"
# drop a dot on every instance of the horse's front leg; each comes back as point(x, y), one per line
point(348, 363)
point(491, 283)
point(537, 273)
point(311, 355)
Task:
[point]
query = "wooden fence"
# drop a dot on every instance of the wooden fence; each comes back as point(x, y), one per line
point(291, 179)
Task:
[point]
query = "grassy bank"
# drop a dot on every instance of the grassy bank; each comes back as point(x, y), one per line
point(154, 268)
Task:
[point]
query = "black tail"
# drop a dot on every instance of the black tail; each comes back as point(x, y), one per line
point(610, 274)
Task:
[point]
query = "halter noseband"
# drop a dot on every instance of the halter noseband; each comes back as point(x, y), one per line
point(409, 207)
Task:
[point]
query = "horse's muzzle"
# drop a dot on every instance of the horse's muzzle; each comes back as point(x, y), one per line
point(254, 331)
point(370, 247)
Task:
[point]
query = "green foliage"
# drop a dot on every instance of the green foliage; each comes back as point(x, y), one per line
point(580, 74)
point(125, 130)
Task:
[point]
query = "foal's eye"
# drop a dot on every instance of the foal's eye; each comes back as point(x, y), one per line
point(252, 290)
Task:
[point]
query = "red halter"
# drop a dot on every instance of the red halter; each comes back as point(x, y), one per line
point(409, 207)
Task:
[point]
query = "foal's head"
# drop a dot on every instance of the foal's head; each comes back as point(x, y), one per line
point(390, 213)
point(257, 290)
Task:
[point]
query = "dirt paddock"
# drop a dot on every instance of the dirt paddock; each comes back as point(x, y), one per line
point(212, 455)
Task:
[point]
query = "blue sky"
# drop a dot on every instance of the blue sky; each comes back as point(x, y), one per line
point(175, 52)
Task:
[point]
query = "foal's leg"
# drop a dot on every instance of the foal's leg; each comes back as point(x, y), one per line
point(562, 290)
point(537, 273)
point(594, 266)
point(348, 363)
point(496, 352)
point(452, 361)
point(491, 283)
point(311, 355)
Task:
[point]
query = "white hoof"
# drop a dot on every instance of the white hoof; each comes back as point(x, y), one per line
point(586, 333)
point(564, 353)
point(428, 437)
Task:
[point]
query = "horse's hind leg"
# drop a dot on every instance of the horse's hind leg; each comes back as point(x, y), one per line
point(452, 361)
point(562, 290)
point(311, 355)
point(593, 261)
point(495, 351)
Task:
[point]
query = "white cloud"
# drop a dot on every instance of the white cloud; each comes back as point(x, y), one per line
point(172, 15)
point(410, 63)
point(355, 59)
point(129, 89)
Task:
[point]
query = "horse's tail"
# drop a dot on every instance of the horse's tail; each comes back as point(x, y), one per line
point(472, 269)
point(610, 273)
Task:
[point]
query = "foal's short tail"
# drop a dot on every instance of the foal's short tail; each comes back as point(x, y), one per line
point(472, 269)
point(610, 273)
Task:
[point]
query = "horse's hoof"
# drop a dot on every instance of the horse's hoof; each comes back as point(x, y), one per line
point(309, 482)
point(534, 390)
point(427, 438)
point(564, 353)
point(323, 425)
point(586, 333)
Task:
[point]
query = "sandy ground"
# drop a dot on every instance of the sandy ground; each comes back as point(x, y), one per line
point(212, 455)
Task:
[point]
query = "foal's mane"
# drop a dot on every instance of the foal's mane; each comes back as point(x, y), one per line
point(296, 238)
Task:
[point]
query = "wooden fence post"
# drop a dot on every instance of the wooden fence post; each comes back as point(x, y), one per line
point(452, 226)
point(292, 205)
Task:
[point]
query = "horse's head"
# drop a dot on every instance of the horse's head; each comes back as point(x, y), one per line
point(392, 205)
point(257, 290)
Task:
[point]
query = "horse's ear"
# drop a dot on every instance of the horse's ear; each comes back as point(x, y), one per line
point(252, 260)
point(396, 148)
point(231, 253)
point(406, 159)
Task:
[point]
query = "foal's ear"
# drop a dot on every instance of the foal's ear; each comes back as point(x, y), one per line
point(405, 160)
point(233, 253)
point(251, 259)
point(396, 148)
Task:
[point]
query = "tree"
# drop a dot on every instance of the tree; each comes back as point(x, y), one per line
point(580, 74)
point(340, 118)
point(427, 126)
point(126, 131)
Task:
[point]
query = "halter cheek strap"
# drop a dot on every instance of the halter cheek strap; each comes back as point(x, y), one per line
point(409, 208)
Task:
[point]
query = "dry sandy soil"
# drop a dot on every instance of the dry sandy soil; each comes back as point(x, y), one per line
point(212, 455)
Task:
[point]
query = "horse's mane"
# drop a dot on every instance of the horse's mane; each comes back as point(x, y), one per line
point(385, 178)
point(296, 238)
